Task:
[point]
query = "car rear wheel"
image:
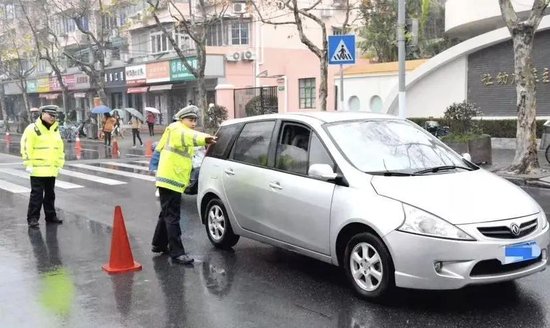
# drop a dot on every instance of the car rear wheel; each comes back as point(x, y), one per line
point(218, 227)
point(368, 266)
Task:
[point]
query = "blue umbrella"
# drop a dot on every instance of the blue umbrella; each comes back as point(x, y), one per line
point(101, 109)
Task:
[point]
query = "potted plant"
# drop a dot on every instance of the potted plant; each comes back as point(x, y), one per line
point(466, 135)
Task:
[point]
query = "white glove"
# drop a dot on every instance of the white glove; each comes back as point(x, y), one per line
point(29, 169)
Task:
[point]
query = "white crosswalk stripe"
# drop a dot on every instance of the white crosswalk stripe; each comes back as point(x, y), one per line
point(130, 166)
point(15, 180)
point(90, 177)
point(58, 183)
point(115, 172)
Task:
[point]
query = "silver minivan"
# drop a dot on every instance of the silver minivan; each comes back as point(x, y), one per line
point(372, 193)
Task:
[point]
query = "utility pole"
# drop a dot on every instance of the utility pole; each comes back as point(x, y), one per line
point(401, 55)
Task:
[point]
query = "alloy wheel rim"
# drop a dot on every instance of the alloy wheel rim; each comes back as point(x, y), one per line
point(366, 267)
point(216, 223)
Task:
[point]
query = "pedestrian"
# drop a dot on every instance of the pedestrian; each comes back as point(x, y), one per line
point(136, 125)
point(43, 157)
point(151, 123)
point(176, 147)
point(108, 127)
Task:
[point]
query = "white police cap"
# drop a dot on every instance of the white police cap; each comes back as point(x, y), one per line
point(186, 111)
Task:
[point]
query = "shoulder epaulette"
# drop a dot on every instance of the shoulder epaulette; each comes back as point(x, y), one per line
point(37, 130)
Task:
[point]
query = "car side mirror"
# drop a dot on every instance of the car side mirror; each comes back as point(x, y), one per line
point(322, 171)
point(467, 157)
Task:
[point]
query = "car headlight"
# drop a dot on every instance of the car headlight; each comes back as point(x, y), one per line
point(423, 223)
point(543, 219)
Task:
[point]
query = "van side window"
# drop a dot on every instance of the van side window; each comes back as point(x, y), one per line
point(292, 149)
point(226, 135)
point(252, 145)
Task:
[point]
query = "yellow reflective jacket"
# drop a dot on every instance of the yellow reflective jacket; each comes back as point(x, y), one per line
point(176, 148)
point(42, 149)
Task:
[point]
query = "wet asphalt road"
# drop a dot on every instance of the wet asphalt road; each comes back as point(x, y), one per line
point(53, 278)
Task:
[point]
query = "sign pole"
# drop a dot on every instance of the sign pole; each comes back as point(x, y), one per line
point(341, 87)
point(401, 56)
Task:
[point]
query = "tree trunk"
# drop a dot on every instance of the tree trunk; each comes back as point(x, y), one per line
point(202, 103)
point(323, 83)
point(525, 160)
point(64, 94)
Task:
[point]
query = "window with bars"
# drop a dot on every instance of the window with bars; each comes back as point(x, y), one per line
point(159, 43)
point(214, 35)
point(307, 92)
point(239, 33)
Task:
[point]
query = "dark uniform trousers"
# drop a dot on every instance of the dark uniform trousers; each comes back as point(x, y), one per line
point(168, 231)
point(42, 193)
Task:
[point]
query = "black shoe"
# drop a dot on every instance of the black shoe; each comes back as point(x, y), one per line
point(54, 220)
point(183, 259)
point(33, 223)
point(159, 249)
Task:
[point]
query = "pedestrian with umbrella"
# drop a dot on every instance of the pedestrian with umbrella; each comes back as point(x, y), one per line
point(109, 123)
point(151, 119)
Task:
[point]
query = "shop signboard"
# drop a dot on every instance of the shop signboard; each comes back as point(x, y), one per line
point(158, 72)
point(178, 71)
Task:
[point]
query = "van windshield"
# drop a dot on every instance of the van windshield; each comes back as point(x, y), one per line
point(392, 146)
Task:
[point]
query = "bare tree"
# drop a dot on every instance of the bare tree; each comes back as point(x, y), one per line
point(45, 41)
point(300, 16)
point(210, 12)
point(523, 33)
point(95, 37)
point(17, 61)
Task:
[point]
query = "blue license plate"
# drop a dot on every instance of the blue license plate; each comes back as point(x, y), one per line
point(521, 252)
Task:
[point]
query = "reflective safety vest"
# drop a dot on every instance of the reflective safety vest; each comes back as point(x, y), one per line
point(176, 147)
point(42, 149)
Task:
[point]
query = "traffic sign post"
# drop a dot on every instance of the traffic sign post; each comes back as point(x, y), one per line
point(341, 50)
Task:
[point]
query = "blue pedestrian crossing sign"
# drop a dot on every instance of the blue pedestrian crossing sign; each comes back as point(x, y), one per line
point(341, 49)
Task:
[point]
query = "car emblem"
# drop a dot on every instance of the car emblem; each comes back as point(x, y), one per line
point(514, 228)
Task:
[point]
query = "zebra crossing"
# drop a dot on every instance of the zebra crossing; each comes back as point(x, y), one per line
point(75, 176)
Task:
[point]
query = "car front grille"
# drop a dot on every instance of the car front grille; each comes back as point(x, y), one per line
point(504, 232)
point(491, 267)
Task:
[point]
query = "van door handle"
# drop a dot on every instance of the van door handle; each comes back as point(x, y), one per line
point(276, 185)
point(229, 172)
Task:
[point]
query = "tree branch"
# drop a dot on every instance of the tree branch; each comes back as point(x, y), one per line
point(508, 14)
point(539, 6)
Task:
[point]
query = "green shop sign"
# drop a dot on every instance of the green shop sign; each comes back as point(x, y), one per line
point(178, 71)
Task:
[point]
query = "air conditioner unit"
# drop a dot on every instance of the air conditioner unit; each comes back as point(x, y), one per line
point(233, 57)
point(248, 55)
point(239, 8)
point(338, 3)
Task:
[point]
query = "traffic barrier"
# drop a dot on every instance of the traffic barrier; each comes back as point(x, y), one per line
point(121, 259)
point(149, 148)
point(7, 138)
point(115, 149)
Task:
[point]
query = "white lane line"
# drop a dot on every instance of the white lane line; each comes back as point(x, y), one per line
point(130, 166)
point(142, 162)
point(12, 187)
point(93, 178)
point(116, 172)
point(25, 175)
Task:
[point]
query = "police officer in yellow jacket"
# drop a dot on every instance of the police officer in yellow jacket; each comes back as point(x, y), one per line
point(43, 157)
point(176, 148)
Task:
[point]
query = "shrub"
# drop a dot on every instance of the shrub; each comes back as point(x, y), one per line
point(215, 115)
point(261, 105)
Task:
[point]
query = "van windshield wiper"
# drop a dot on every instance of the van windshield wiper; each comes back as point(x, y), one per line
point(391, 173)
point(442, 168)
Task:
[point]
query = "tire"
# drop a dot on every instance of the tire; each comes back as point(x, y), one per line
point(218, 227)
point(547, 154)
point(375, 278)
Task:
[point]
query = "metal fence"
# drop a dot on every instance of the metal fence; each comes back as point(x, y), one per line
point(255, 101)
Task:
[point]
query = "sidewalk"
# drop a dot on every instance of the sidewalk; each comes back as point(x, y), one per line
point(502, 158)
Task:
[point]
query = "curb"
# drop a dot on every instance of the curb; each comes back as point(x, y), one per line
point(529, 182)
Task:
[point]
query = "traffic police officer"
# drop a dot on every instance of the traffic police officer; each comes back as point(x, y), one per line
point(43, 157)
point(176, 147)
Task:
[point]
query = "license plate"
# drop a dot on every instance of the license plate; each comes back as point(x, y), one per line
point(521, 252)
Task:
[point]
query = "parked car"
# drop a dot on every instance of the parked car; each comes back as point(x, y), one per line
point(375, 194)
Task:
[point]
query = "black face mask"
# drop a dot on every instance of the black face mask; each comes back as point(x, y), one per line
point(46, 124)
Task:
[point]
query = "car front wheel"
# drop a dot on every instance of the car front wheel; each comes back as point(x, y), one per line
point(368, 266)
point(218, 226)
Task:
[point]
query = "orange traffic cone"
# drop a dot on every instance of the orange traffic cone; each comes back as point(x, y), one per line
point(77, 145)
point(121, 254)
point(148, 148)
point(7, 138)
point(115, 148)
